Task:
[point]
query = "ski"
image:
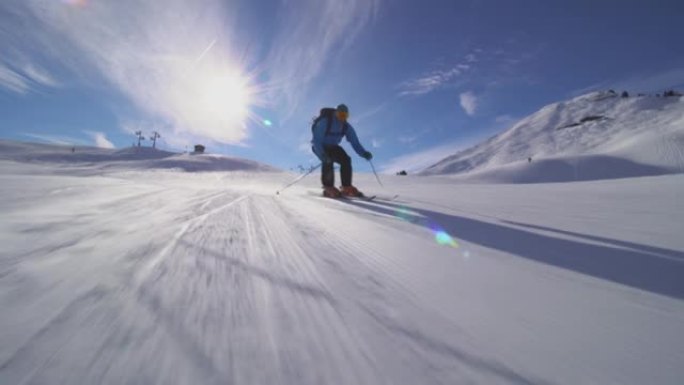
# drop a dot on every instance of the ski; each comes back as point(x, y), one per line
point(381, 198)
point(352, 198)
point(360, 198)
point(368, 198)
point(377, 198)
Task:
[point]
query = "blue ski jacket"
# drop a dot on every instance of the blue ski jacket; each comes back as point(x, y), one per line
point(334, 137)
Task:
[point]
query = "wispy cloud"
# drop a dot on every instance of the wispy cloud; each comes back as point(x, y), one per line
point(309, 36)
point(184, 62)
point(504, 121)
point(97, 139)
point(412, 138)
point(438, 78)
point(479, 68)
point(469, 102)
point(429, 82)
point(25, 78)
point(177, 61)
point(12, 81)
point(100, 139)
point(40, 76)
point(370, 112)
point(57, 139)
point(407, 139)
point(471, 58)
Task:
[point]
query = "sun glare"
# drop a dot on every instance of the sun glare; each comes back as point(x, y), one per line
point(227, 98)
point(216, 98)
point(77, 3)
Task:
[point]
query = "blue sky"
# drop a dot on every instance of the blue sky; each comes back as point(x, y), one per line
point(423, 79)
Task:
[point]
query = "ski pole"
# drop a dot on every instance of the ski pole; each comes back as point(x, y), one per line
point(394, 196)
point(376, 174)
point(299, 178)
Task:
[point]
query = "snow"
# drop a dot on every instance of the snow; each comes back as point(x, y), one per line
point(592, 137)
point(116, 271)
point(91, 158)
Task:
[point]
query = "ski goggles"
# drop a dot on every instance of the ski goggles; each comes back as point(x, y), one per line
point(342, 114)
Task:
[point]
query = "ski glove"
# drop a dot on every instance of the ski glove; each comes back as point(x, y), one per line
point(367, 155)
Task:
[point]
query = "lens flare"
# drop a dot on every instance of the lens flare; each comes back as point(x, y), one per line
point(267, 123)
point(405, 214)
point(441, 236)
point(444, 239)
point(76, 3)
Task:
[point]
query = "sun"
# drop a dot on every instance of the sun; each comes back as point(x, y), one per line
point(226, 97)
point(217, 99)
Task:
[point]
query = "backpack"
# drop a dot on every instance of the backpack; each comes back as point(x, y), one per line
point(328, 112)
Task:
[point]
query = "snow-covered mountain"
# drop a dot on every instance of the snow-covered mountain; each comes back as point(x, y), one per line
point(94, 158)
point(600, 135)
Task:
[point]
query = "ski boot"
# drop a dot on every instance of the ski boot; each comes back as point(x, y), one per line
point(351, 191)
point(331, 192)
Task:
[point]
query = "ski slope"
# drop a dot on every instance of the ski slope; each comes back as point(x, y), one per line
point(113, 273)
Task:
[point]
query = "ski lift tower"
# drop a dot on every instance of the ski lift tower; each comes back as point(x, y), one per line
point(155, 136)
point(140, 137)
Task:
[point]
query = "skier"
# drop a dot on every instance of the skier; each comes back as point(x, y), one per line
point(328, 130)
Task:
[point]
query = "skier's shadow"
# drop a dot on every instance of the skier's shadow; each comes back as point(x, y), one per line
point(644, 267)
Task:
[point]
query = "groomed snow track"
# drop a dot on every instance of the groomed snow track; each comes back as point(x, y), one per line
point(174, 278)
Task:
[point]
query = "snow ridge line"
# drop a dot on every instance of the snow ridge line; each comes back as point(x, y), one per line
point(187, 226)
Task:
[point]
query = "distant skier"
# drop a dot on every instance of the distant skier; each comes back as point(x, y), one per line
point(328, 130)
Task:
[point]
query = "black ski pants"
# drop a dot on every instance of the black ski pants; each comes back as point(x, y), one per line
point(337, 155)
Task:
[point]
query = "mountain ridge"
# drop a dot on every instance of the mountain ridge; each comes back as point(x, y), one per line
point(636, 136)
point(125, 158)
